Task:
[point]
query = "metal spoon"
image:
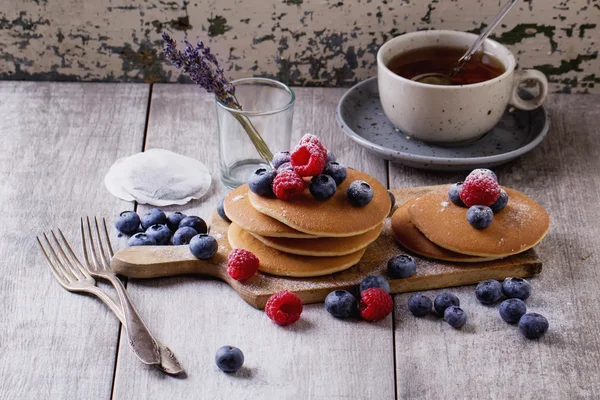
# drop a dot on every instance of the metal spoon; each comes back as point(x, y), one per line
point(435, 78)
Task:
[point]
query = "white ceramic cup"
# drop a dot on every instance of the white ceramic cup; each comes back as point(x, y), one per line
point(451, 114)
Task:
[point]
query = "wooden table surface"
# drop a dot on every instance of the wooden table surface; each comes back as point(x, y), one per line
point(58, 141)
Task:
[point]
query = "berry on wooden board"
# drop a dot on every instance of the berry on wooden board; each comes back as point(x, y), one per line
point(242, 264)
point(401, 266)
point(203, 246)
point(153, 217)
point(174, 220)
point(194, 222)
point(141, 239)
point(160, 233)
point(183, 235)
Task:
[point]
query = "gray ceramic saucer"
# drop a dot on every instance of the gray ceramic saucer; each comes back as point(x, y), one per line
point(361, 116)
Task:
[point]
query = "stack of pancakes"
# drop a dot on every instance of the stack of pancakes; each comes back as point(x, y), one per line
point(431, 226)
point(306, 237)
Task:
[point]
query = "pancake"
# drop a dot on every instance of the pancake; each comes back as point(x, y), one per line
point(276, 262)
point(322, 247)
point(407, 234)
point(521, 225)
point(334, 217)
point(239, 210)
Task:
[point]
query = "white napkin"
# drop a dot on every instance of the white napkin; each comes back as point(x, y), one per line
point(158, 177)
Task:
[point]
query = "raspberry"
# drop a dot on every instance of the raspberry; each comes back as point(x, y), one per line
point(284, 308)
point(309, 138)
point(287, 184)
point(375, 304)
point(479, 189)
point(242, 264)
point(309, 156)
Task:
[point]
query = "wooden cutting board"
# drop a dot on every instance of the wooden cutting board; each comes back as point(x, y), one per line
point(157, 261)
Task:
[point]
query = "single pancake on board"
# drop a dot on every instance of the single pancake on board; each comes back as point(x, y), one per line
point(522, 224)
point(322, 247)
point(334, 217)
point(276, 262)
point(239, 210)
point(407, 234)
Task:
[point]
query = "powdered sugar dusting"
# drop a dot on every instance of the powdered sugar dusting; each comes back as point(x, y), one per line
point(238, 198)
point(444, 204)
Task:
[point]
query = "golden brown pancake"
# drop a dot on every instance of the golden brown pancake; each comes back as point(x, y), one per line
point(276, 262)
point(239, 210)
point(521, 225)
point(407, 234)
point(334, 217)
point(322, 247)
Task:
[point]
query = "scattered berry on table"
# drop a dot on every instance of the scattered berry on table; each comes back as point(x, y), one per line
point(533, 325)
point(375, 304)
point(203, 246)
point(374, 281)
point(480, 217)
point(336, 171)
point(443, 301)
point(479, 188)
point(284, 308)
point(174, 219)
point(285, 167)
point(516, 288)
point(194, 222)
point(160, 233)
point(242, 264)
point(455, 317)
point(454, 194)
point(141, 239)
point(221, 210)
point(322, 187)
point(280, 158)
point(392, 199)
point(487, 171)
point(229, 359)
point(401, 266)
point(419, 305)
point(287, 184)
point(330, 157)
point(341, 304)
point(128, 222)
point(360, 193)
point(153, 217)
point(511, 310)
point(501, 202)
point(261, 181)
point(183, 235)
point(488, 291)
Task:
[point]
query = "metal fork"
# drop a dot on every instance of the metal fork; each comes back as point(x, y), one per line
point(73, 276)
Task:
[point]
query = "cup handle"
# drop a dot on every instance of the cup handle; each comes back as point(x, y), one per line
point(529, 75)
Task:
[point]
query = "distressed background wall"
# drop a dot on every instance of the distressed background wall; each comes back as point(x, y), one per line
point(302, 42)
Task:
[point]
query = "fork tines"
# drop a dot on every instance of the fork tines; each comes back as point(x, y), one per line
point(100, 251)
point(65, 265)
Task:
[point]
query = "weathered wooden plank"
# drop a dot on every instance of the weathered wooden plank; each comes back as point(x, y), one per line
point(319, 357)
point(489, 358)
point(58, 140)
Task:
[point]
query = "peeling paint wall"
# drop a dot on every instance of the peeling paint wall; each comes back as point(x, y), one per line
point(301, 42)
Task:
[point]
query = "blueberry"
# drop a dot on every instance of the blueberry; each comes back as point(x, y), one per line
point(221, 210)
point(419, 305)
point(516, 288)
point(322, 187)
point(443, 301)
point(512, 310)
point(500, 203)
point(261, 181)
point(392, 199)
point(454, 194)
point(183, 235)
point(203, 246)
point(174, 220)
point(455, 317)
point(489, 291)
point(374, 281)
point(480, 217)
point(285, 167)
point(533, 325)
point(141, 239)
point(360, 193)
point(160, 233)
point(127, 222)
point(336, 171)
point(153, 217)
point(194, 222)
point(330, 156)
point(280, 158)
point(229, 359)
point(401, 266)
point(341, 304)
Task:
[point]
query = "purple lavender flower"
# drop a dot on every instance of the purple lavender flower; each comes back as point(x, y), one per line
point(202, 67)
